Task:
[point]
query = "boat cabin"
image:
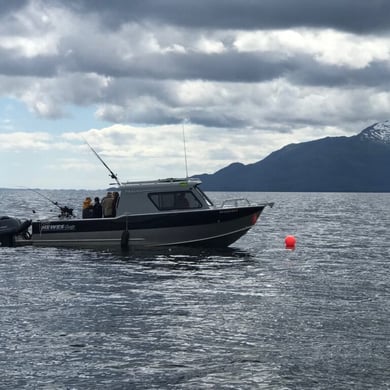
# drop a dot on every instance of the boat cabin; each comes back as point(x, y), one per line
point(162, 196)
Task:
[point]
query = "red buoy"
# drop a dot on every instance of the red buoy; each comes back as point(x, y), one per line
point(290, 242)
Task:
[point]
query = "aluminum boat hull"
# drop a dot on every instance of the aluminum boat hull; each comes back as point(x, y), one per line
point(209, 228)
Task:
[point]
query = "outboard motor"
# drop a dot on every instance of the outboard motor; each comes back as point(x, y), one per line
point(10, 228)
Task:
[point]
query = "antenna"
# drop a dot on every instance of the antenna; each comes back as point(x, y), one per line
point(112, 174)
point(185, 150)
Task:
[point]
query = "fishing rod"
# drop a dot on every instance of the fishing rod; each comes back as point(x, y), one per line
point(66, 212)
point(112, 174)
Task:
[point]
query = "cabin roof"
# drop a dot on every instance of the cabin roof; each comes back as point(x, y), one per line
point(161, 183)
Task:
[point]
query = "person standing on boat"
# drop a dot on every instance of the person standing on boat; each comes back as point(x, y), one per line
point(87, 208)
point(107, 205)
point(97, 209)
point(115, 203)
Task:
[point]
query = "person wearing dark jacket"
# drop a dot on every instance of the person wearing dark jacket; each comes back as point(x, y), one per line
point(115, 203)
point(97, 208)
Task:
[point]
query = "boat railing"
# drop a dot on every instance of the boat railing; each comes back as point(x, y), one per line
point(235, 202)
point(242, 202)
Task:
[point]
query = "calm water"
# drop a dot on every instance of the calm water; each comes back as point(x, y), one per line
point(254, 317)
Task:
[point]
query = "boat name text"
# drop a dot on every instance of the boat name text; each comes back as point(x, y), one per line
point(61, 227)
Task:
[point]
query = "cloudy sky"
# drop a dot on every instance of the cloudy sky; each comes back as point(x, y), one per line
point(241, 78)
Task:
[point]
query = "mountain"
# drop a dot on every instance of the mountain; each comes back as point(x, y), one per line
point(359, 163)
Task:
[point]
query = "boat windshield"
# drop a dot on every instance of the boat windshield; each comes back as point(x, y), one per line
point(205, 197)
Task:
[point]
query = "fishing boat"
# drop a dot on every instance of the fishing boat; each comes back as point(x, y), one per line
point(156, 213)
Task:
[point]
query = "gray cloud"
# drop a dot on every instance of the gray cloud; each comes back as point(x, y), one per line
point(306, 71)
point(224, 67)
point(358, 16)
point(13, 64)
point(231, 66)
point(133, 59)
point(7, 7)
point(82, 50)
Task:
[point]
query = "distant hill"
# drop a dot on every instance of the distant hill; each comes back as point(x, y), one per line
point(359, 163)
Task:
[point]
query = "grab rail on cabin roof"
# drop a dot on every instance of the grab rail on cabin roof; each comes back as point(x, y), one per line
point(163, 181)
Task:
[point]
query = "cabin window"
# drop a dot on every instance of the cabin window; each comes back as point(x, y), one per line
point(179, 200)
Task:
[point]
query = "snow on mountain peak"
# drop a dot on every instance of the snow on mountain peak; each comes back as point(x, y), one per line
point(379, 132)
